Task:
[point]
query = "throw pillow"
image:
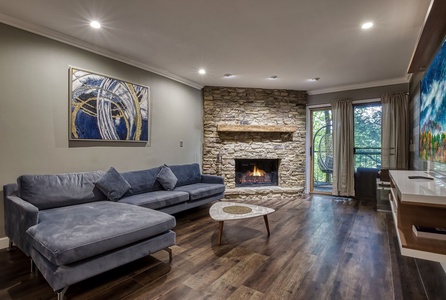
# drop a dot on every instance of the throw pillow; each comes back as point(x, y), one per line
point(112, 184)
point(166, 178)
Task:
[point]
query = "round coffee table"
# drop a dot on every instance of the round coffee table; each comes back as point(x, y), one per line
point(226, 211)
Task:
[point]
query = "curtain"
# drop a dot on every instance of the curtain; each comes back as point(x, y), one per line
point(343, 160)
point(395, 131)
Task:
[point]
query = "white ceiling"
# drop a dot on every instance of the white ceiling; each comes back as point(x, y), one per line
point(251, 39)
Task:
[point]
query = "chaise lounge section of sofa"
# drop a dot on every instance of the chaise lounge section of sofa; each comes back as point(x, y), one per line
point(72, 231)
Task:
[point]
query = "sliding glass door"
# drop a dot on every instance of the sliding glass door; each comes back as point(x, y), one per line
point(321, 151)
point(367, 143)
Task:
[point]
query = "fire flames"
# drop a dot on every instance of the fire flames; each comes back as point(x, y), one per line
point(256, 172)
point(256, 176)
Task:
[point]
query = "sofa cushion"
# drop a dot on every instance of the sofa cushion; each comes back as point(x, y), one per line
point(69, 234)
point(49, 191)
point(186, 174)
point(142, 181)
point(166, 178)
point(202, 190)
point(156, 200)
point(112, 184)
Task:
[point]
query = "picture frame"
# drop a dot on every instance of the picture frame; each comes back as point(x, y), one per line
point(103, 108)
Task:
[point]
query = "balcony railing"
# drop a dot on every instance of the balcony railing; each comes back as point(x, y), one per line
point(367, 157)
point(364, 158)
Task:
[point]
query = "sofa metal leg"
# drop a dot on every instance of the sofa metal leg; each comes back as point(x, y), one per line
point(33, 267)
point(11, 246)
point(61, 293)
point(170, 254)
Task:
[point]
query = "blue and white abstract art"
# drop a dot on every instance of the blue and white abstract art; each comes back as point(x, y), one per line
point(433, 110)
point(104, 108)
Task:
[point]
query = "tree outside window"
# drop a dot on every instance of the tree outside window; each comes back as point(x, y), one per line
point(367, 135)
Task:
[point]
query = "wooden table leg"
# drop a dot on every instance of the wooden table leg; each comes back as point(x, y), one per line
point(265, 217)
point(220, 233)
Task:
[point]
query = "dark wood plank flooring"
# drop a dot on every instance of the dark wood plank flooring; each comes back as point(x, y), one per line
point(320, 248)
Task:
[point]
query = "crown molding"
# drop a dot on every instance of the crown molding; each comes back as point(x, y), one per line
point(365, 85)
point(69, 40)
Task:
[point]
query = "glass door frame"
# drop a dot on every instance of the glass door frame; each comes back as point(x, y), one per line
point(310, 148)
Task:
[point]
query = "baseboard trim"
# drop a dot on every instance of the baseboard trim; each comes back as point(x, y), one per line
point(4, 243)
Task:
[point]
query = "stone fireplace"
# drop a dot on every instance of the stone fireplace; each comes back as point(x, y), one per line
point(243, 124)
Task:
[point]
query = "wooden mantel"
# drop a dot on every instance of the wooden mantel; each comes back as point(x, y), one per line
point(255, 128)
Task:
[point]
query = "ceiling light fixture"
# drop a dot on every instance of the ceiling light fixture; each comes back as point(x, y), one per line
point(274, 77)
point(227, 75)
point(315, 79)
point(367, 25)
point(202, 71)
point(95, 24)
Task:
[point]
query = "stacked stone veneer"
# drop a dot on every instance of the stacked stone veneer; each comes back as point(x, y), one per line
point(249, 106)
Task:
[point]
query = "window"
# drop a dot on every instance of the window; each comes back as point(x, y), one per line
point(367, 135)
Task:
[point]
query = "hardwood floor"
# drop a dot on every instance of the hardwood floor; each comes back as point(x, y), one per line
point(320, 248)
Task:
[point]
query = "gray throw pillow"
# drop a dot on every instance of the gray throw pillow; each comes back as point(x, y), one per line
point(112, 184)
point(166, 178)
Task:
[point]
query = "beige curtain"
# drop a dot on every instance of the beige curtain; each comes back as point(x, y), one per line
point(395, 131)
point(343, 160)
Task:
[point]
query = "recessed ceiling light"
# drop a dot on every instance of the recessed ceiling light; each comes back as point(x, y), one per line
point(274, 77)
point(367, 25)
point(95, 24)
point(315, 79)
point(227, 75)
point(202, 71)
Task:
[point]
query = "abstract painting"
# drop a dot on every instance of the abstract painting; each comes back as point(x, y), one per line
point(104, 108)
point(433, 110)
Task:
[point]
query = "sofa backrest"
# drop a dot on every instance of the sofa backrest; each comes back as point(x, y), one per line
point(142, 181)
point(186, 174)
point(49, 191)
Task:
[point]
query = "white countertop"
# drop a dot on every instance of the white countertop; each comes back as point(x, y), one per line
point(421, 191)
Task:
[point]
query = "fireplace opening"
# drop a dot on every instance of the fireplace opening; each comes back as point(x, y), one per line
point(256, 172)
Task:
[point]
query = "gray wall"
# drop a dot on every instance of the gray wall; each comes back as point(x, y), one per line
point(358, 94)
point(415, 162)
point(34, 113)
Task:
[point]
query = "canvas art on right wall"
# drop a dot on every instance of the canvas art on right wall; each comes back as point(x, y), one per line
point(433, 110)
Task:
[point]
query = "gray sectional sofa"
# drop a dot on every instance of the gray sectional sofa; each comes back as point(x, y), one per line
point(77, 225)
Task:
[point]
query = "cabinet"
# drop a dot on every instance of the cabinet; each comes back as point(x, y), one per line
point(422, 202)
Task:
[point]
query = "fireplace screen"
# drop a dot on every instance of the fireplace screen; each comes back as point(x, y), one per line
point(256, 172)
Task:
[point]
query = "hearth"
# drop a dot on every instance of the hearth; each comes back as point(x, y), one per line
point(256, 172)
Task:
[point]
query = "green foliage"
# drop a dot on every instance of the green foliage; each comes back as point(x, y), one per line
point(433, 146)
point(367, 124)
